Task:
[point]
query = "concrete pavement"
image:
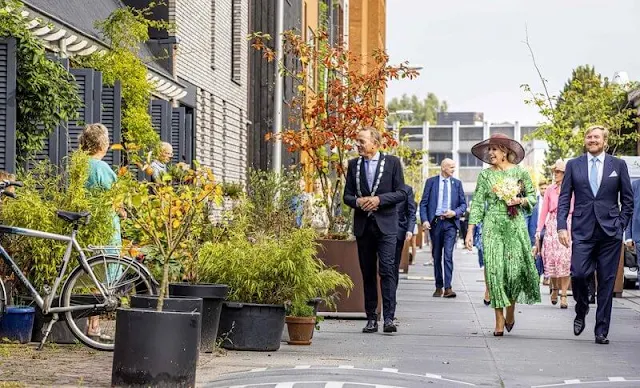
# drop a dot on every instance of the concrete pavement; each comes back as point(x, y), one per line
point(447, 342)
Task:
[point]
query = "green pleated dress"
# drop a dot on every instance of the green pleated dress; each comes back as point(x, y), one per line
point(509, 263)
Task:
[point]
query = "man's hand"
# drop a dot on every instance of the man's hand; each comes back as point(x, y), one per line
point(426, 226)
point(360, 201)
point(368, 204)
point(408, 236)
point(450, 214)
point(563, 237)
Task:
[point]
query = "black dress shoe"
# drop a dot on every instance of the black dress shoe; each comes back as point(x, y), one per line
point(602, 340)
point(372, 326)
point(592, 299)
point(578, 325)
point(389, 326)
point(509, 326)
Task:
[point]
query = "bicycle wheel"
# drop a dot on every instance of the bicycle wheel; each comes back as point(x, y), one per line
point(121, 278)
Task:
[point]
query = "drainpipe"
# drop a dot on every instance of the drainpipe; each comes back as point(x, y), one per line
point(277, 114)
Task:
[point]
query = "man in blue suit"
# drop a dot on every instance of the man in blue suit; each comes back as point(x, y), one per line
point(406, 223)
point(632, 234)
point(441, 207)
point(603, 208)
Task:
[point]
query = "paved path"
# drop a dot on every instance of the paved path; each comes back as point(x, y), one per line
point(447, 342)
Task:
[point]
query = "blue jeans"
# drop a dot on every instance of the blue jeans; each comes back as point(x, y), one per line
point(443, 239)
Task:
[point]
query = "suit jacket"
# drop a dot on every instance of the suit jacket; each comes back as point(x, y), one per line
point(633, 230)
point(611, 207)
point(406, 214)
point(532, 221)
point(429, 201)
point(391, 192)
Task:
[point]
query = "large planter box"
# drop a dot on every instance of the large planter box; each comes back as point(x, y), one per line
point(420, 238)
point(342, 255)
point(404, 259)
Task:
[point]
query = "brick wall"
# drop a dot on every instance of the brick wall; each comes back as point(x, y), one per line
point(221, 111)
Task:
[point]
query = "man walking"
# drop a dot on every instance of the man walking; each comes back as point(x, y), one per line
point(598, 181)
point(441, 206)
point(406, 223)
point(374, 186)
point(632, 234)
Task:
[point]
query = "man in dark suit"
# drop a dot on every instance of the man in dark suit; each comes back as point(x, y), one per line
point(406, 223)
point(441, 207)
point(374, 186)
point(632, 234)
point(603, 208)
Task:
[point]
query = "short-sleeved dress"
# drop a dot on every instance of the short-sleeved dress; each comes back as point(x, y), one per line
point(101, 176)
point(511, 273)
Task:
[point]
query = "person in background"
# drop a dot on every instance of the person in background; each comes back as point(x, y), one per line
point(557, 257)
point(94, 140)
point(159, 165)
point(406, 223)
point(442, 204)
point(632, 234)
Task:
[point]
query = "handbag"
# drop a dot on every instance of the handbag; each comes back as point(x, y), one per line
point(630, 259)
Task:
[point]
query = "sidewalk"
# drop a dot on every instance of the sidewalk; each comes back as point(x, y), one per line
point(451, 339)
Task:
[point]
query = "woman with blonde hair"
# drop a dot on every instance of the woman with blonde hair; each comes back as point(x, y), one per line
point(510, 271)
point(557, 257)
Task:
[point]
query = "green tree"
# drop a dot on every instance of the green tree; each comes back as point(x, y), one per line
point(586, 99)
point(423, 110)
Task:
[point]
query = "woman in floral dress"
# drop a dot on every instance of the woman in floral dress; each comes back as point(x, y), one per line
point(557, 257)
point(509, 264)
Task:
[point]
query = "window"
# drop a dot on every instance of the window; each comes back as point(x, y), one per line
point(468, 160)
point(471, 134)
point(438, 157)
point(236, 40)
point(441, 134)
point(213, 34)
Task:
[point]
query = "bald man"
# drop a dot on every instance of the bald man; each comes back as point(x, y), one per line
point(441, 207)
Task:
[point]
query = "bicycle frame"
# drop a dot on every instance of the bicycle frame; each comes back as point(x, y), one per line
point(46, 302)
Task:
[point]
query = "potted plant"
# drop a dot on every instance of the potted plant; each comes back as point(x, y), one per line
point(264, 274)
point(327, 116)
point(301, 321)
point(160, 346)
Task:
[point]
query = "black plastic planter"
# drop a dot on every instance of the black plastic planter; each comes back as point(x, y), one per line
point(212, 297)
point(175, 303)
point(157, 349)
point(248, 326)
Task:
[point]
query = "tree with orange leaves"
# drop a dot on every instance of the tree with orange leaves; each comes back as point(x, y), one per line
point(334, 99)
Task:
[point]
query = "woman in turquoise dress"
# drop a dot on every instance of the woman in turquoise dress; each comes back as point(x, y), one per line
point(95, 141)
point(511, 273)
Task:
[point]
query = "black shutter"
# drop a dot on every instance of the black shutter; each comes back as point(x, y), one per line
point(84, 80)
point(161, 118)
point(8, 105)
point(111, 118)
point(97, 98)
point(177, 134)
point(189, 139)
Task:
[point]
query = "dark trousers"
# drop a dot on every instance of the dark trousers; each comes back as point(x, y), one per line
point(375, 247)
point(443, 239)
point(398, 258)
point(600, 254)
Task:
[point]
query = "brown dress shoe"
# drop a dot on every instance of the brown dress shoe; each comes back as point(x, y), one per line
point(437, 293)
point(448, 293)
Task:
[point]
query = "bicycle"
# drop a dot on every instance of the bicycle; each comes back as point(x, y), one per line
point(95, 288)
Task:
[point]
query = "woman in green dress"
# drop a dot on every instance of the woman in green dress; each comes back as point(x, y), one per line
point(511, 273)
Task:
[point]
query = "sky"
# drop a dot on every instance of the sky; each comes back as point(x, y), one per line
point(474, 56)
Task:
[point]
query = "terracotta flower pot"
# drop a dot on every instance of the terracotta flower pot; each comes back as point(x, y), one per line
point(300, 329)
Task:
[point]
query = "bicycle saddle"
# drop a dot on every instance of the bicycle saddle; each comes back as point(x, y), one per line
point(72, 216)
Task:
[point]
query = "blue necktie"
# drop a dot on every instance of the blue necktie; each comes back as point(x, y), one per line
point(445, 196)
point(593, 177)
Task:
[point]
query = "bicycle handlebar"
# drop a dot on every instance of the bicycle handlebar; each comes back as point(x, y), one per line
point(5, 184)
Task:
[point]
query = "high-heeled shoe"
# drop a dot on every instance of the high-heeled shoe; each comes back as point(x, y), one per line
point(554, 297)
point(498, 333)
point(563, 302)
point(486, 302)
point(509, 326)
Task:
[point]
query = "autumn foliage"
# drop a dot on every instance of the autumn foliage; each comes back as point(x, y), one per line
point(334, 99)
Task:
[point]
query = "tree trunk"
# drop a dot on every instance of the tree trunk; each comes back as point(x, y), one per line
point(164, 284)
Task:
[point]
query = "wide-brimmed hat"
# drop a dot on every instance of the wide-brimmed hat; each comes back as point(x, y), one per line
point(559, 165)
point(480, 150)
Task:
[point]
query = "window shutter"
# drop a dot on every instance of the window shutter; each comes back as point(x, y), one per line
point(8, 105)
point(178, 135)
point(161, 118)
point(189, 142)
point(85, 82)
point(111, 111)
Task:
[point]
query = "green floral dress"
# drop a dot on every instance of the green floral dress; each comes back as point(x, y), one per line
point(509, 264)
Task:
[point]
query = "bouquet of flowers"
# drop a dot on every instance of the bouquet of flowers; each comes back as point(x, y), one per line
point(508, 189)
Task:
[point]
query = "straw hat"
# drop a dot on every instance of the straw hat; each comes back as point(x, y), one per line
point(560, 165)
point(480, 150)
